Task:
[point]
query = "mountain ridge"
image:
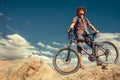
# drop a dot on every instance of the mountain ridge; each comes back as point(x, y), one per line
point(35, 69)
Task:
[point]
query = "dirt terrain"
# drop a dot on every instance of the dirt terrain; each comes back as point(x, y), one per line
point(35, 69)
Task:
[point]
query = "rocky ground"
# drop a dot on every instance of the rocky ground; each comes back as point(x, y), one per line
point(35, 69)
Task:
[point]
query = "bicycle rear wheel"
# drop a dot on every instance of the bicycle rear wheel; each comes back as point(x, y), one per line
point(107, 53)
point(66, 61)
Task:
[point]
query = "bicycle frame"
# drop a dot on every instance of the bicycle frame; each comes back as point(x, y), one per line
point(75, 42)
point(94, 45)
point(68, 56)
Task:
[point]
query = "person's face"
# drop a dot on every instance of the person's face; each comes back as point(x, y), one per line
point(81, 12)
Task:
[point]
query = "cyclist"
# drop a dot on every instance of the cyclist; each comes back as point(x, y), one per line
point(79, 24)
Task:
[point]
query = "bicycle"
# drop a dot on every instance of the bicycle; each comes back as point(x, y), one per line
point(67, 60)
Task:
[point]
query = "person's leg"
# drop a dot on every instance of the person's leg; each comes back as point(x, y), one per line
point(90, 44)
point(81, 62)
point(80, 54)
point(88, 41)
point(79, 49)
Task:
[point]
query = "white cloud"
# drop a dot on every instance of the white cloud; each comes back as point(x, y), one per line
point(56, 43)
point(40, 44)
point(15, 46)
point(108, 36)
point(46, 52)
point(51, 48)
point(59, 44)
point(46, 46)
point(112, 37)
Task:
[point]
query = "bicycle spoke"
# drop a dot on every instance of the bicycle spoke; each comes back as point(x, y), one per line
point(107, 52)
point(64, 63)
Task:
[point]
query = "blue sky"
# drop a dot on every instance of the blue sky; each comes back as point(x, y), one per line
point(47, 21)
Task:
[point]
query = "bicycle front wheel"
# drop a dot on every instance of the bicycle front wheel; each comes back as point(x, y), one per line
point(107, 52)
point(66, 61)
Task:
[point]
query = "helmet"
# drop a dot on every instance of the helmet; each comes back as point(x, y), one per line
point(81, 7)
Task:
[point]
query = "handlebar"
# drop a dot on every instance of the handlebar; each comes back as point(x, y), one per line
point(92, 34)
point(71, 36)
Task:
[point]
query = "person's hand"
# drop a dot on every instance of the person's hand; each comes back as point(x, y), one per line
point(69, 31)
point(96, 31)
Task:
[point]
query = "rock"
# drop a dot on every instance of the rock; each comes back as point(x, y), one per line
point(35, 69)
point(111, 72)
point(28, 69)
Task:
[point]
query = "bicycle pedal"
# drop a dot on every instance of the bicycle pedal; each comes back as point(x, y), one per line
point(91, 58)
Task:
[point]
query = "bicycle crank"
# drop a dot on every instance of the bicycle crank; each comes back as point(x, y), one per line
point(91, 58)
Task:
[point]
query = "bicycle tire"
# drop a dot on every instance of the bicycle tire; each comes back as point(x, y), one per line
point(103, 58)
point(57, 68)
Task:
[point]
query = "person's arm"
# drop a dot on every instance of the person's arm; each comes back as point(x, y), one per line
point(93, 28)
point(71, 27)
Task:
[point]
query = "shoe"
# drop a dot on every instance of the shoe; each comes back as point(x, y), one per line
point(99, 63)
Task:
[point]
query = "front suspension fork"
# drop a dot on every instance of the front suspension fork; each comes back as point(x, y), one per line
point(68, 54)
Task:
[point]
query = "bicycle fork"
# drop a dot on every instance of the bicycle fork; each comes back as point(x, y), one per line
point(68, 54)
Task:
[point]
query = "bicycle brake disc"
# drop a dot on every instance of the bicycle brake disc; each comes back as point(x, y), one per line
point(66, 61)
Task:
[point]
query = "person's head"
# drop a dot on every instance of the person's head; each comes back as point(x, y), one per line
point(81, 11)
